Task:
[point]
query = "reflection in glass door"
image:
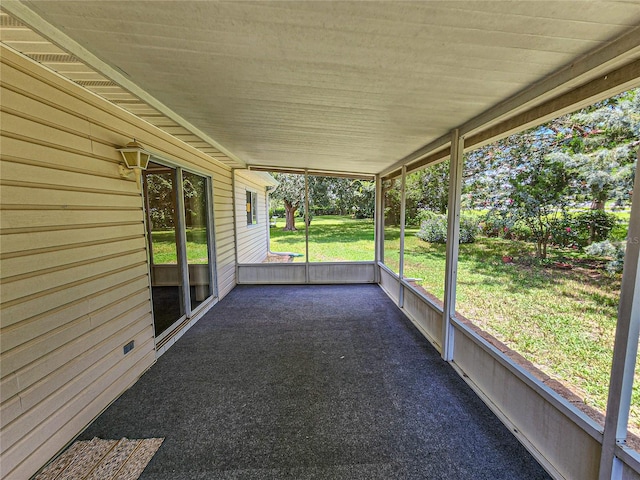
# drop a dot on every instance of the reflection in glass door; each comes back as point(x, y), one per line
point(166, 279)
point(179, 229)
point(196, 208)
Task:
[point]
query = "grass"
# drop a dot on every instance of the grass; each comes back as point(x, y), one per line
point(563, 321)
point(164, 246)
point(620, 231)
point(331, 239)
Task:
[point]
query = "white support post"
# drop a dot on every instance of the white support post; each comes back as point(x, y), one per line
point(453, 240)
point(625, 348)
point(378, 226)
point(403, 214)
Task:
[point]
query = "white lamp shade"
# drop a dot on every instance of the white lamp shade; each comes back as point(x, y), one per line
point(135, 156)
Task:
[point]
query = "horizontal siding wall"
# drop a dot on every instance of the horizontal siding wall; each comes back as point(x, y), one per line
point(251, 239)
point(75, 286)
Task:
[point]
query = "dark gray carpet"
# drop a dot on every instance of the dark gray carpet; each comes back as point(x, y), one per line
point(311, 382)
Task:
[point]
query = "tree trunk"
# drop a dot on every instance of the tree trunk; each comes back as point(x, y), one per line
point(290, 215)
point(597, 204)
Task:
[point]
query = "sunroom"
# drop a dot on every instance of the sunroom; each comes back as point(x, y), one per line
point(105, 267)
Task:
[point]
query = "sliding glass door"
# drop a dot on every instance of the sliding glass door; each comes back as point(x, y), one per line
point(179, 228)
point(197, 234)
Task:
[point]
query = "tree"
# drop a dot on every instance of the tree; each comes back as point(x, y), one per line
point(598, 143)
point(602, 141)
point(391, 196)
point(161, 200)
point(291, 191)
point(486, 175)
point(539, 194)
point(327, 196)
point(428, 189)
point(363, 200)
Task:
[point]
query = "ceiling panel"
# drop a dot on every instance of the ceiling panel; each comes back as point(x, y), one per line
point(335, 85)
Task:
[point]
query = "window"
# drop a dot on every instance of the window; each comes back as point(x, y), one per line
point(252, 208)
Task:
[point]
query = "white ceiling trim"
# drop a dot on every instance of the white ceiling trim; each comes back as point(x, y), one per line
point(313, 172)
point(44, 28)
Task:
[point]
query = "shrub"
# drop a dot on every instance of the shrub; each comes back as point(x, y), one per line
point(424, 215)
point(434, 229)
point(583, 228)
point(564, 232)
point(519, 231)
point(468, 229)
point(494, 224)
point(614, 251)
point(594, 225)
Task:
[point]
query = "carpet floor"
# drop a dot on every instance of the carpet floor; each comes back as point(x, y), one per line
point(311, 382)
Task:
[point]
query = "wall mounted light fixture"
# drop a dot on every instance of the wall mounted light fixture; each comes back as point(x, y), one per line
point(136, 159)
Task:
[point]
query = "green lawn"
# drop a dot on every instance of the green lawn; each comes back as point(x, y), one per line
point(561, 320)
point(331, 239)
point(164, 246)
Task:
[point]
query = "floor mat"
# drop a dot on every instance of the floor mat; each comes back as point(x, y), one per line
point(95, 459)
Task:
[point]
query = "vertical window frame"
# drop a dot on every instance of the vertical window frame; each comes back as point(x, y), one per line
point(251, 201)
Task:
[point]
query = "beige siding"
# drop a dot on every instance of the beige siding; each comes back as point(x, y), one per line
point(74, 274)
point(251, 239)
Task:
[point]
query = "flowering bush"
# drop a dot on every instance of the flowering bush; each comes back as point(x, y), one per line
point(582, 228)
point(494, 224)
point(519, 231)
point(564, 233)
point(594, 225)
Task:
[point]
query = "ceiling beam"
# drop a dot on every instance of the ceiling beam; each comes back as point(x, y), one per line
point(317, 173)
point(433, 159)
point(615, 82)
point(28, 17)
point(429, 148)
point(600, 59)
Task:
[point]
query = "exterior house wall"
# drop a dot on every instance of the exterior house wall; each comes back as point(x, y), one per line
point(251, 239)
point(75, 285)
